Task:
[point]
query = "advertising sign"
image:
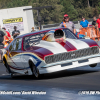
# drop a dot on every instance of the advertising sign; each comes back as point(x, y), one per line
point(10, 23)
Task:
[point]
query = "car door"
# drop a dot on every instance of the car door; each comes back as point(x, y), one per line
point(15, 55)
point(28, 42)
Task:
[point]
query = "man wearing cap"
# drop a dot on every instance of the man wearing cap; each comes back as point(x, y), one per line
point(68, 24)
point(16, 32)
point(3, 30)
point(84, 23)
point(8, 36)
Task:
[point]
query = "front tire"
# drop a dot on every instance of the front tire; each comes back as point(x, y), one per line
point(34, 70)
point(93, 65)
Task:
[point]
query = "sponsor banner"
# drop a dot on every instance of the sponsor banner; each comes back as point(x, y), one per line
point(13, 20)
point(10, 23)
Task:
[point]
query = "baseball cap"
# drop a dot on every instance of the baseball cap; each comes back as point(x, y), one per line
point(65, 15)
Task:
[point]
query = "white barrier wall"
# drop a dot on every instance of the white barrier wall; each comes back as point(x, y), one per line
point(17, 17)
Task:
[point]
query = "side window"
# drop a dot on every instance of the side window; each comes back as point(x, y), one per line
point(32, 40)
point(69, 34)
point(11, 47)
point(16, 45)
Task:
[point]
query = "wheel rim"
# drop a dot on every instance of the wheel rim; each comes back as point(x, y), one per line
point(35, 71)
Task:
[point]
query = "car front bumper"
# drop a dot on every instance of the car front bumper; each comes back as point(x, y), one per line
point(63, 65)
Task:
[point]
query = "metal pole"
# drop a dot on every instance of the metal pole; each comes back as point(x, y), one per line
point(38, 10)
point(39, 19)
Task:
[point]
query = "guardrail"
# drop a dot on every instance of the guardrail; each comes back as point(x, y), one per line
point(77, 25)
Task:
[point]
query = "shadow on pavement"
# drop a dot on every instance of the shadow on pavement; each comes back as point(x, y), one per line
point(54, 75)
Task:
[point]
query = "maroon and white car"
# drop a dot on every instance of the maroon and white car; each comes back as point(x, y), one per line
point(49, 51)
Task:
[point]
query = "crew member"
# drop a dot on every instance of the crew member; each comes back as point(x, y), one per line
point(16, 32)
point(3, 30)
point(68, 24)
point(2, 39)
point(8, 36)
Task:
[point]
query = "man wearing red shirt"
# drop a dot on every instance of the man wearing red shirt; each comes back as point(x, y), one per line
point(98, 22)
point(8, 37)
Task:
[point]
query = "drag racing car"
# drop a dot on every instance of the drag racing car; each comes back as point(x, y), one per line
point(48, 51)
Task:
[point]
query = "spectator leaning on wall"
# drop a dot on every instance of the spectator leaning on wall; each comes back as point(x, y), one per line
point(98, 22)
point(84, 23)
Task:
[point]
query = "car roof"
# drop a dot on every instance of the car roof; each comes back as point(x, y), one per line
point(23, 35)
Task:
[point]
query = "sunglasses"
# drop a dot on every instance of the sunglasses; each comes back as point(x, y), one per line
point(66, 17)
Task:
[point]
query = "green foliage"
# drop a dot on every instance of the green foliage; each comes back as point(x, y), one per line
point(69, 9)
point(74, 8)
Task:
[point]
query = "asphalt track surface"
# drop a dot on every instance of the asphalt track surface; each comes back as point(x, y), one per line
point(64, 85)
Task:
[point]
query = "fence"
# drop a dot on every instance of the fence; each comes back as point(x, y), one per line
point(90, 32)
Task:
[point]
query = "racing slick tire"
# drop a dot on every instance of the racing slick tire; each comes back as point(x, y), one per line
point(7, 66)
point(12, 75)
point(34, 70)
point(93, 65)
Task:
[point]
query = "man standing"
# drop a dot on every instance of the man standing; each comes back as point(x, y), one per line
point(32, 29)
point(3, 30)
point(84, 23)
point(2, 40)
point(68, 24)
point(16, 32)
point(98, 22)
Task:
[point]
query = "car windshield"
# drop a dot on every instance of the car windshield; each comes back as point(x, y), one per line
point(69, 34)
point(35, 39)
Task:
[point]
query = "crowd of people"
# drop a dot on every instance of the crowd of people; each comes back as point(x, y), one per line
point(5, 35)
point(83, 23)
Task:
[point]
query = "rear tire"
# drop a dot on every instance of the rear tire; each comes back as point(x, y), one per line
point(93, 65)
point(12, 75)
point(7, 66)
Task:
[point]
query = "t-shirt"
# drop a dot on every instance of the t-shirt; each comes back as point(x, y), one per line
point(69, 25)
point(98, 21)
point(15, 31)
point(94, 23)
point(84, 24)
point(1, 37)
point(8, 34)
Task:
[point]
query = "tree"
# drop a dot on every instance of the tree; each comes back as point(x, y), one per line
point(50, 15)
point(69, 9)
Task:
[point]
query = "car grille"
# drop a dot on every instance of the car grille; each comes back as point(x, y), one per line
point(71, 55)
